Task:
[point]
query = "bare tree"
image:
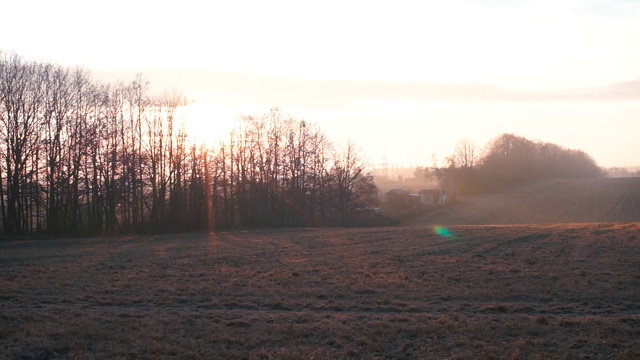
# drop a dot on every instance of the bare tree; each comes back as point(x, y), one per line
point(465, 154)
point(22, 99)
point(353, 186)
point(159, 151)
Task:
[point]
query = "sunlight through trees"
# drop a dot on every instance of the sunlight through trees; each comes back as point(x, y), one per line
point(81, 157)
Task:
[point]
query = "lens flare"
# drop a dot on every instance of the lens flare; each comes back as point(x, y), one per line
point(443, 231)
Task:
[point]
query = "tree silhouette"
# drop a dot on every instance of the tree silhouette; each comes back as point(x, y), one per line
point(81, 157)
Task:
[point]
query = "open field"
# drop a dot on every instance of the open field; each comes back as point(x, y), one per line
point(520, 292)
point(546, 202)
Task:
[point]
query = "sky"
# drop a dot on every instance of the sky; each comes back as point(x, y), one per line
point(403, 80)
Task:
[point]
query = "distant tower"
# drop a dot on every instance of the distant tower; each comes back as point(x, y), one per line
point(384, 166)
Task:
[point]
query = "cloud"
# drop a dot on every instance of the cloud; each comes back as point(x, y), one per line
point(622, 91)
point(266, 91)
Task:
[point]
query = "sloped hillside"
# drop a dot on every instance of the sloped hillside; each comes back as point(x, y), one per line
point(549, 201)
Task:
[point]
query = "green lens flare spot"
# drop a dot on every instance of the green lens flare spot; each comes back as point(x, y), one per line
point(443, 231)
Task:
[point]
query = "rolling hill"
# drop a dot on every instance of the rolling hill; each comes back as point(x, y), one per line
point(546, 202)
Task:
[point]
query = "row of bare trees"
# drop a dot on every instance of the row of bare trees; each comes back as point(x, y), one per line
point(81, 157)
point(507, 160)
point(512, 159)
point(277, 170)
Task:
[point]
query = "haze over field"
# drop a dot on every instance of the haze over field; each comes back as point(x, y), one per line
point(269, 236)
point(403, 81)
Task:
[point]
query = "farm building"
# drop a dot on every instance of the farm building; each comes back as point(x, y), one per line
point(432, 197)
point(397, 197)
point(414, 200)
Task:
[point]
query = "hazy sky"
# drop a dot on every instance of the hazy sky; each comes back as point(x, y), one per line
point(402, 79)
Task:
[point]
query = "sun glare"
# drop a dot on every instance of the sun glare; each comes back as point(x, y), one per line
point(208, 124)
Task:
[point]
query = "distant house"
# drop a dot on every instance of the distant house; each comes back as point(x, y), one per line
point(414, 200)
point(397, 198)
point(402, 199)
point(432, 197)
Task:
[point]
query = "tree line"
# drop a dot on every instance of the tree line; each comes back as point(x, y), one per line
point(505, 161)
point(83, 157)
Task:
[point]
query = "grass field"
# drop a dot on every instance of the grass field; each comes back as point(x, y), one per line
point(519, 292)
point(546, 202)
